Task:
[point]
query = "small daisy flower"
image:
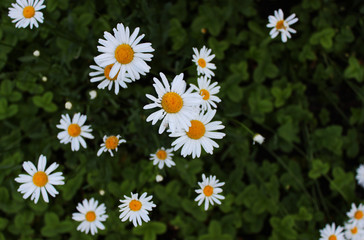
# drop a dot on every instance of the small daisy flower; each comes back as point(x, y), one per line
point(177, 106)
point(26, 12)
point(136, 209)
point(110, 143)
point(207, 91)
point(258, 139)
point(360, 175)
point(356, 215)
point(209, 191)
point(162, 156)
point(202, 60)
point(281, 25)
point(103, 75)
point(39, 180)
point(332, 233)
point(90, 215)
point(353, 232)
point(124, 53)
point(74, 131)
point(201, 133)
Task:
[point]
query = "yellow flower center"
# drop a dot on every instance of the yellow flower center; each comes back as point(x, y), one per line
point(74, 130)
point(208, 191)
point(332, 237)
point(280, 25)
point(111, 142)
point(40, 179)
point(124, 54)
point(161, 154)
point(107, 72)
point(197, 130)
point(28, 12)
point(90, 216)
point(201, 62)
point(358, 214)
point(354, 230)
point(205, 94)
point(172, 102)
point(135, 205)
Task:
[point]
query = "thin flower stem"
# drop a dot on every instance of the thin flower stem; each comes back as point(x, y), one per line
point(244, 126)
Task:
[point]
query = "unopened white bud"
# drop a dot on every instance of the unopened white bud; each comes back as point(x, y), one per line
point(36, 53)
point(68, 105)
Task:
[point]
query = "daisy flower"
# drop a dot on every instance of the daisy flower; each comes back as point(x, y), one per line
point(257, 138)
point(360, 175)
point(332, 233)
point(90, 215)
point(353, 232)
point(103, 75)
point(110, 143)
point(200, 133)
point(74, 131)
point(125, 53)
point(209, 191)
point(39, 180)
point(136, 209)
point(356, 215)
point(207, 91)
point(162, 156)
point(177, 106)
point(281, 25)
point(202, 60)
point(26, 12)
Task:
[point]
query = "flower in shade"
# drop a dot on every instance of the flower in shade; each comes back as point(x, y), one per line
point(360, 175)
point(93, 94)
point(281, 25)
point(136, 209)
point(177, 106)
point(356, 215)
point(124, 53)
point(90, 214)
point(257, 138)
point(74, 131)
point(40, 180)
point(353, 232)
point(159, 178)
point(110, 143)
point(202, 59)
point(26, 12)
point(332, 233)
point(162, 156)
point(201, 133)
point(208, 91)
point(209, 191)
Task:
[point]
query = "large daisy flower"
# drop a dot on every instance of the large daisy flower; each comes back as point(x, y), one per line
point(136, 209)
point(163, 156)
point(353, 232)
point(74, 131)
point(207, 90)
point(39, 180)
point(201, 133)
point(332, 233)
point(356, 215)
point(26, 12)
point(360, 175)
point(177, 106)
point(110, 143)
point(90, 215)
point(202, 59)
point(209, 191)
point(103, 75)
point(281, 25)
point(125, 53)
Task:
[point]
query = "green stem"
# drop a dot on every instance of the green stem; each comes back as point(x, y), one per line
point(244, 126)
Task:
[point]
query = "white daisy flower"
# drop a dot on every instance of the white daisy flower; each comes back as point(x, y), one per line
point(281, 25)
point(103, 75)
point(110, 143)
point(209, 192)
point(91, 215)
point(332, 233)
point(162, 156)
point(202, 60)
point(207, 91)
point(136, 209)
point(356, 215)
point(257, 138)
point(26, 12)
point(125, 53)
point(353, 232)
point(178, 106)
point(39, 180)
point(360, 175)
point(201, 133)
point(74, 131)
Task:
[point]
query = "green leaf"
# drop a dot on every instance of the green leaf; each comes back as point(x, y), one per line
point(318, 169)
point(324, 37)
point(73, 185)
point(215, 232)
point(45, 102)
point(354, 70)
point(7, 111)
point(343, 183)
point(218, 47)
point(177, 33)
point(150, 230)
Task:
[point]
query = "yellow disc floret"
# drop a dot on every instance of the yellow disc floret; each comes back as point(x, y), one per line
point(333, 237)
point(107, 72)
point(40, 179)
point(90, 216)
point(74, 130)
point(161, 154)
point(354, 230)
point(28, 12)
point(111, 142)
point(280, 25)
point(172, 102)
point(135, 205)
point(201, 62)
point(124, 54)
point(197, 130)
point(205, 94)
point(208, 191)
point(358, 214)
